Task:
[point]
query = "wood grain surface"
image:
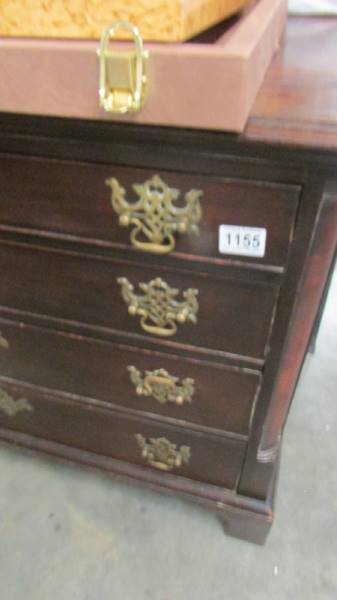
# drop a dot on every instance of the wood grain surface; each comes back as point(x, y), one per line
point(81, 425)
point(223, 398)
point(71, 199)
point(234, 317)
point(297, 103)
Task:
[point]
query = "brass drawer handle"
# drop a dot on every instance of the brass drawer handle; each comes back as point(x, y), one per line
point(158, 308)
point(153, 216)
point(11, 407)
point(162, 386)
point(3, 342)
point(162, 454)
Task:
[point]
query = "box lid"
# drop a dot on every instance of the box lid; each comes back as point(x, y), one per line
point(157, 20)
point(209, 84)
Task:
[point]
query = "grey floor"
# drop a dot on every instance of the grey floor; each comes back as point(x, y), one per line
point(73, 533)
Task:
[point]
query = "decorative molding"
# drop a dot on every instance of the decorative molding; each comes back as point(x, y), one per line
point(269, 455)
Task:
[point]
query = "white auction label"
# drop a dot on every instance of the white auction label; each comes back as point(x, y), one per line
point(242, 241)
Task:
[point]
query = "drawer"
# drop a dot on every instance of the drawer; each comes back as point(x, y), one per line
point(72, 199)
point(207, 395)
point(233, 316)
point(80, 425)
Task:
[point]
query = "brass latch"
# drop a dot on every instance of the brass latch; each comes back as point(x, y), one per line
point(123, 81)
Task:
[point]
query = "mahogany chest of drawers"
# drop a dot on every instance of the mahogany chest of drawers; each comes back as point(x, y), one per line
point(129, 340)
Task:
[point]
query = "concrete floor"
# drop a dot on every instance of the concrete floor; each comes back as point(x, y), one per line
point(73, 533)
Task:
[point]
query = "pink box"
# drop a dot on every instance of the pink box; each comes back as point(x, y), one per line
point(205, 85)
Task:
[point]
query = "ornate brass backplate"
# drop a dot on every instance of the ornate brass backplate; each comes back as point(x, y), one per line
point(162, 386)
point(158, 308)
point(154, 217)
point(162, 454)
point(3, 342)
point(10, 406)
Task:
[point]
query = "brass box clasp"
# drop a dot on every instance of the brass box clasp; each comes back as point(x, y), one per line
point(123, 81)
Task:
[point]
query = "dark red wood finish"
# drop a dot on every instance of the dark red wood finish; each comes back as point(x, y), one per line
point(80, 424)
point(234, 317)
point(223, 399)
point(256, 475)
point(297, 104)
point(70, 198)
point(308, 298)
point(242, 517)
point(291, 141)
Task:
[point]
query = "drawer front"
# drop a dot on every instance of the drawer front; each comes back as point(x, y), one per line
point(207, 395)
point(233, 317)
point(85, 427)
point(72, 199)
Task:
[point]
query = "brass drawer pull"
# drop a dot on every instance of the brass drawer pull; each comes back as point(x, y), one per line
point(3, 342)
point(158, 308)
point(162, 386)
point(162, 454)
point(153, 216)
point(11, 407)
